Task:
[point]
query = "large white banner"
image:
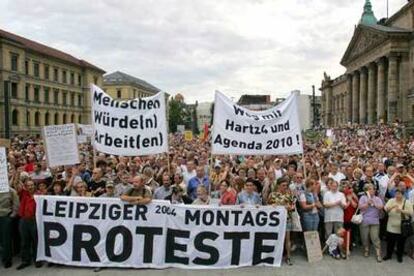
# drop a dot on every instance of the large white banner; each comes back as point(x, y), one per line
point(129, 128)
point(106, 232)
point(61, 145)
point(4, 177)
point(237, 130)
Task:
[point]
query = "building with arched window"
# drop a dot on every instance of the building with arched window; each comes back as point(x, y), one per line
point(42, 85)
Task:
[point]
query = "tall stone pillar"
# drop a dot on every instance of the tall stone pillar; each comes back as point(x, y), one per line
point(349, 99)
point(404, 87)
point(329, 102)
point(363, 96)
point(355, 98)
point(392, 88)
point(381, 97)
point(371, 93)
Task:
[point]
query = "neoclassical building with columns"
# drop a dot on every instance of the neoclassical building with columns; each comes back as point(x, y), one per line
point(378, 85)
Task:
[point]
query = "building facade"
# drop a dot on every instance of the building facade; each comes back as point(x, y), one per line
point(122, 86)
point(41, 86)
point(378, 85)
point(204, 114)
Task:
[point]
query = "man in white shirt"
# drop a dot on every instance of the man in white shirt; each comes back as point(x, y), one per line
point(383, 181)
point(188, 172)
point(334, 203)
point(335, 174)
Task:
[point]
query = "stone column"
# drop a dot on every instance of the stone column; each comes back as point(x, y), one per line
point(329, 99)
point(349, 99)
point(363, 96)
point(381, 90)
point(355, 98)
point(371, 93)
point(404, 87)
point(392, 88)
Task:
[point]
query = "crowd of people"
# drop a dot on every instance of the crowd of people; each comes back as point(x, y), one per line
point(359, 180)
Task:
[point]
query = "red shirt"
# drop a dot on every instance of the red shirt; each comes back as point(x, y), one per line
point(27, 209)
point(29, 167)
point(350, 210)
point(228, 198)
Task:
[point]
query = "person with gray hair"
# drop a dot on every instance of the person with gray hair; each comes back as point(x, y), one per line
point(370, 206)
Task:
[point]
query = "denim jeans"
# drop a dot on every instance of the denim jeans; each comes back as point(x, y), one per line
point(310, 221)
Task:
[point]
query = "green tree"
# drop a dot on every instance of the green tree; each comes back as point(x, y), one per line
point(176, 114)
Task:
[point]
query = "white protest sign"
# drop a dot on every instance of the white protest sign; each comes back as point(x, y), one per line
point(180, 129)
point(313, 246)
point(329, 133)
point(84, 132)
point(61, 145)
point(237, 130)
point(107, 232)
point(4, 178)
point(129, 128)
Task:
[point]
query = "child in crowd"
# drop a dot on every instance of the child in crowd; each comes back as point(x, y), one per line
point(334, 244)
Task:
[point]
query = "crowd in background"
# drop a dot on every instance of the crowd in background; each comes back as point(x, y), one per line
point(365, 171)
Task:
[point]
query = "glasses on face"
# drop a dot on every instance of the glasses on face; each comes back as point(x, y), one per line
point(299, 177)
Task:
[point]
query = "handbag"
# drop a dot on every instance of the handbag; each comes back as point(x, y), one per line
point(406, 228)
point(357, 218)
point(296, 224)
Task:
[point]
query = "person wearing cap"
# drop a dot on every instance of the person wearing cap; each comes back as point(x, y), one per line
point(109, 189)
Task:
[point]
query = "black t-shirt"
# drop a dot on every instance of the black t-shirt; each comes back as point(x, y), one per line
point(93, 186)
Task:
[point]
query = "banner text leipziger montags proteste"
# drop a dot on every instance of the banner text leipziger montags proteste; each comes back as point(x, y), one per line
point(129, 128)
point(110, 233)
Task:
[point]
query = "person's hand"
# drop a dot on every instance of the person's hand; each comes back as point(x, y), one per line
point(398, 209)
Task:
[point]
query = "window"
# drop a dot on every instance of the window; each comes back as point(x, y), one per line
point(37, 118)
point(64, 119)
point(26, 67)
point(36, 95)
point(14, 90)
point(79, 100)
point(46, 94)
point(95, 80)
point(65, 100)
point(36, 69)
point(79, 119)
point(27, 97)
point(56, 118)
point(72, 78)
point(15, 117)
point(56, 74)
point(47, 118)
point(56, 96)
point(64, 77)
point(72, 99)
point(72, 119)
point(14, 62)
point(80, 80)
point(46, 72)
point(28, 118)
point(119, 93)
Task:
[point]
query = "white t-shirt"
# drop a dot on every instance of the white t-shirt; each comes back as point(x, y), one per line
point(334, 214)
point(383, 185)
point(188, 175)
point(333, 242)
point(279, 173)
point(337, 177)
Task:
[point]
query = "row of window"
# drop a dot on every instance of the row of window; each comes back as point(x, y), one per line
point(135, 94)
point(66, 119)
point(68, 98)
point(66, 77)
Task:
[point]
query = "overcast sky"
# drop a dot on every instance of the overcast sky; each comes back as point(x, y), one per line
point(198, 46)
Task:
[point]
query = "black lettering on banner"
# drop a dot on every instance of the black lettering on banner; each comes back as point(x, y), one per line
point(94, 209)
point(172, 246)
point(88, 245)
point(149, 233)
point(274, 216)
point(200, 246)
point(236, 238)
point(59, 240)
point(126, 244)
point(236, 214)
point(114, 212)
point(260, 248)
point(141, 211)
point(248, 219)
point(81, 208)
point(223, 217)
point(60, 208)
point(128, 212)
point(261, 218)
point(44, 209)
point(208, 217)
point(192, 217)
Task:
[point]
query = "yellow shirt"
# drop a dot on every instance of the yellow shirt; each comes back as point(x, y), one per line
point(394, 217)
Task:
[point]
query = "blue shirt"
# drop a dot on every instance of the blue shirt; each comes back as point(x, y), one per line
point(193, 184)
point(249, 199)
